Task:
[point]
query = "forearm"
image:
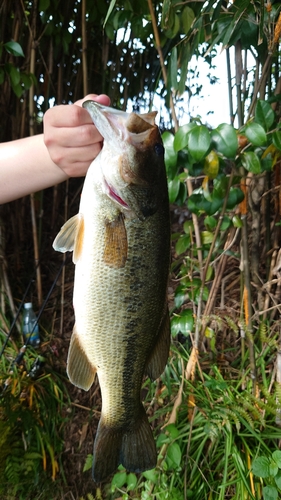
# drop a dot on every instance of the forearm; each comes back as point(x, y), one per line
point(26, 167)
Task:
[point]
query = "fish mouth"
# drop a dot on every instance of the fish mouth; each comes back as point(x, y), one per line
point(112, 193)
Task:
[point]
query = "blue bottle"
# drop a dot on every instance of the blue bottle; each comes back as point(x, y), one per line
point(30, 328)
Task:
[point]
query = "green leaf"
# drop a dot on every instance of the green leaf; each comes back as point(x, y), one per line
point(211, 165)
point(14, 74)
point(264, 114)
point(131, 481)
point(276, 139)
point(236, 221)
point(173, 69)
point(182, 244)
point(181, 136)
point(210, 222)
point(251, 162)
point(110, 9)
point(171, 156)
point(199, 141)
point(273, 468)
point(17, 89)
point(277, 480)
point(260, 467)
point(225, 139)
point(89, 463)
point(270, 493)
point(174, 454)
point(162, 439)
point(151, 475)
point(14, 48)
point(43, 5)
point(180, 295)
point(255, 134)
point(118, 480)
point(276, 455)
point(172, 430)
point(173, 188)
point(182, 323)
point(205, 294)
point(235, 197)
point(207, 237)
point(197, 203)
point(186, 19)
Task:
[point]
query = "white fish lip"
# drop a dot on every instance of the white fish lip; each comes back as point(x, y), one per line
point(112, 193)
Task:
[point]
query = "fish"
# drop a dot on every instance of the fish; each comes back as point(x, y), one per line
point(120, 241)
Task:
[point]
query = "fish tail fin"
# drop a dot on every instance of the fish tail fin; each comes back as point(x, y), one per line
point(132, 446)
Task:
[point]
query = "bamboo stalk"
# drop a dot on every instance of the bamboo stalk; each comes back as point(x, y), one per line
point(84, 49)
point(32, 132)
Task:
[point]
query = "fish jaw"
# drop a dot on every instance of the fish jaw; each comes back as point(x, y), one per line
point(133, 145)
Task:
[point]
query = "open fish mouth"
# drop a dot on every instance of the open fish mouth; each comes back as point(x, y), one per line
point(112, 193)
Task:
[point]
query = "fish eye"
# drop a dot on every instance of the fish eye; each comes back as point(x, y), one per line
point(159, 149)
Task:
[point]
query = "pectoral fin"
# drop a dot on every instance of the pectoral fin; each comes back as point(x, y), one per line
point(158, 359)
point(70, 238)
point(79, 370)
point(116, 245)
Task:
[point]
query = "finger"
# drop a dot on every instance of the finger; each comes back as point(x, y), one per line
point(101, 99)
point(72, 137)
point(68, 158)
point(72, 115)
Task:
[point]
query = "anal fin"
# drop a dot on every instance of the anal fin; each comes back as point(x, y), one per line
point(157, 361)
point(79, 369)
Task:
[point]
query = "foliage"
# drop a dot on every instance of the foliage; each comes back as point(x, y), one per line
point(213, 447)
point(216, 411)
point(33, 404)
point(269, 469)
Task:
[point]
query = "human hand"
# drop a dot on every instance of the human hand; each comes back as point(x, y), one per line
point(70, 136)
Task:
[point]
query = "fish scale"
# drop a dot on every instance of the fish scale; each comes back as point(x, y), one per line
point(121, 248)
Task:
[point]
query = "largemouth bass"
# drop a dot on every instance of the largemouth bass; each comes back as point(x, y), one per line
point(121, 247)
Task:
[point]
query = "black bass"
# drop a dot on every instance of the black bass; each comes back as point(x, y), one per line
point(121, 247)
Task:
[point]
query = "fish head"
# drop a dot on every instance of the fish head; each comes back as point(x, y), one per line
point(132, 159)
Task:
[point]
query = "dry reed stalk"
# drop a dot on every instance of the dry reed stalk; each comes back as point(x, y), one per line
point(64, 259)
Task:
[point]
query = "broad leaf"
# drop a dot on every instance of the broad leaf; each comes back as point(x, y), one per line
point(173, 69)
point(225, 139)
point(276, 455)
point(251, 162)
point(186, 19)
point(270, 493)
point(199, 141)
point(255, 133)
point(276, 139)
point(119, 479)
point(182, 323)
point(181, 136)
point(14, 48)
point(174, 455)
point(131, 481)
point(182, 244)
point(211, 165)
point(171, 155)
point(260, 467)
point(264, 114)
point(173, 188)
